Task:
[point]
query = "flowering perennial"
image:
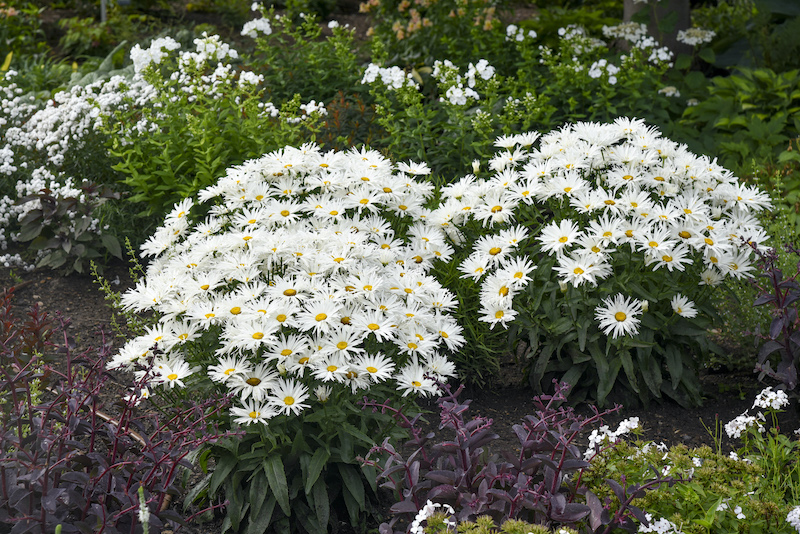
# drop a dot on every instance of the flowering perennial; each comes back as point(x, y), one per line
point(626, 190)
point(299, 275)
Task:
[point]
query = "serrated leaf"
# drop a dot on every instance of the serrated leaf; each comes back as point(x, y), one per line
point(273, 468)
point(315, 467)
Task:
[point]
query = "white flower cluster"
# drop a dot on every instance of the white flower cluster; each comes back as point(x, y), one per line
point(602, 67)
point(658, 54)
point(579, 39)
point(449, 77)
point(515, 33)
point(768, 399)
point(631, 188)
point(256, 27)
point(669, 91)
point(294, 269)
point(154, 54)
point(311, 109)
point(737, 510)
point(793, 518)
point(661, 525)
point(428, 510)
point(742, 423)
point(630, 31)
point(393, 77)
point(604, 434)
point(696, 36)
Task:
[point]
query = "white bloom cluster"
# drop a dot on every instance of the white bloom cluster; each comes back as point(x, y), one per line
point(293, 270)
point(740, 424)
point(696, 36)
point(428, 510)
point(669, 90)
point(515, 33)
point(658, 54)
point(629, 188)
point(768, 399)
point(393, 77)
point(661, 525)
point(154, 54)
point(630, 31)
point(448, 76)
point(793, 518)
point(311, 109)
point(579, 39)
point(604, 434)
point(255, 27)
point(602, 67)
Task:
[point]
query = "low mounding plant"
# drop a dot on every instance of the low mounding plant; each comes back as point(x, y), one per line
point(630, 233)
point(753, 489)
point(783, 338)
point(540, 484)
point(66, 462)
point(306, 282)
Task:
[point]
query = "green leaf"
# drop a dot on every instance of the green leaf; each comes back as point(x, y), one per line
point(321, 503)
point(683, 62)
point(197, 490)
point(259, 490)
point(674, 364)
point(29, 231)
point(112, 245)
point(607, 374)
point(707, 55)
point(352, 483)
point(273, 467)
point(315, 467)
point(630, 372)
point(260, 522)
point(651, 371)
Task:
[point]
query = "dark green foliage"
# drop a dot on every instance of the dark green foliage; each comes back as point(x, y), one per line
point(64, 228)
point(299, 473)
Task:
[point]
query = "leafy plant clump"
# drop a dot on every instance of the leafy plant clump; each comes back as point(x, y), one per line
point(66, 462)
point(541, 484)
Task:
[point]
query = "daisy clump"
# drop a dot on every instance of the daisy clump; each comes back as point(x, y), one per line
point(308, 276)
point(636, 232)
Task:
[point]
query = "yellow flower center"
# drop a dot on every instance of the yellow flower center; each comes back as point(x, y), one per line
point(494, 251)
point(253, 381)
point(563, 239)
point(332, 368)
point(567, 189)
point(209, 315)
point(341, 345)
point(709, 241)
point(334, 213)
point(413, 346)
point(620, 316)
point(288, 401)
point(204, 287)
point(228, 372)
point(577, 270)
point(416, 383)
point(666, 258)
point(286, 352)
point(659, 178)
point(627, 177)
point(609, 202)
point(254, 415)
point(183, 337)
point(320, 317)
point(280, 318)
point(387, 189)
point(371, 369)
point(684, 234)
point(236, 310)
point(258, 335)
point(172, 376)
point(373, 326)
point(499, 314)
point(653, 244)
point(290, 292)
point(497, 208)
point(303, 360)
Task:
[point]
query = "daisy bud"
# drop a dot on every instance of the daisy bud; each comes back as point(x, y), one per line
point(562, 286)
point(645, 306)
point(476, 166)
